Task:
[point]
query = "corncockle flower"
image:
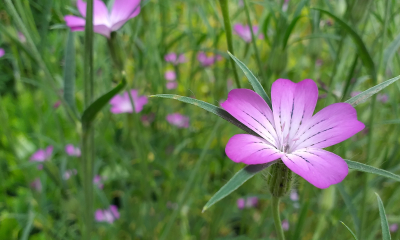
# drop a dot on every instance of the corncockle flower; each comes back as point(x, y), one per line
point(170, 75)
point(206, 61)
point(21, 37)
point(393, 227)
point(245, 33)
point(285, 225)
point(174, 58)
point(69, 173)
point(104, 22)
point(290, 132)
point(107, 215)
point(72, 151)
point(247, 203)
point(179, 120)
point(122, 104)
point(171, 85)
point(42, 155)
point(2, 52)
point(98, 182)
point(294, 196)
point(36, 185)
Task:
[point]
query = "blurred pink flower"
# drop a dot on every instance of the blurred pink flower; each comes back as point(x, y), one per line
point(148, 118)
point(171, 85)
point(104, 22)
point(2, 52)
point(122, 104)
point(57, 104)
point(21, 37)
point(247, 203)
point(178, 120)
point(72, 151)
point(107, 215)
point(98, 181)
point(174, 59)
point(170, 75)
point(294, 196)
point(67, 174)
point(36, 185)
point(393, 227)
point(207, 61)
point(244, 32)
point(382, 97)
point(285, 5)
point(42, 155)
point(355, 93)
point(285, 225)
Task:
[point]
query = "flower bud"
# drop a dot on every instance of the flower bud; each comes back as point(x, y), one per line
point(279, 179)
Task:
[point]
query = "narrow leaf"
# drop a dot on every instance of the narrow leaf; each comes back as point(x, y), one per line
point(69, 71)
point(354, 236)
point(252, 79)
point(348, 201)
point(384, 222)
point(289, 31)
point(362, 50)
point(362, 97)
point(210, 108)
point(391, 50)
point(90, 113)
point(236, 181)
point(369, 169)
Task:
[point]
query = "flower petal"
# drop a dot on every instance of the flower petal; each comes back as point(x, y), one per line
point(293, 104)
point(250, 109)
point(100, 12)
point(102, 29)
point(250, 149)
point(139, 102)
point(319, 167)
point(75, 23)
point(99, 215)
point(333, 124)
point(122, 11)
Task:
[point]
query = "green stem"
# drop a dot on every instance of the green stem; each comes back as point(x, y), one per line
point(277, 218)
point(87, 130)
point(228, 31)
point(115, 52)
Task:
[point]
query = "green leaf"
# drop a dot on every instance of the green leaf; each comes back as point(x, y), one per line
point(354, 236)
point(391, 50)
point(252, 79)
point(362, 50)
point(210, 108)
point(348, 201)
point(369, 169)
point(236, 181)
point(362, 97)
point(289, 31)
point(90, 113)
point(69, 71)
point(384, 222)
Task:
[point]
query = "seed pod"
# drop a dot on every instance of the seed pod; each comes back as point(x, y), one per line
point(279, 179)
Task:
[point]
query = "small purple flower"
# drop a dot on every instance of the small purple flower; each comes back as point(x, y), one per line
point(36, 185)
point(69, 173)
point(382, 97)
point(249, 202)
point(98, 182)
point(285, 225)
point(294, 196)
point(21, 37)
point(241, 203)
point(122, 103)
point(170, 75)
point(174, 59)
point(72, 151)
point(393, 227)
point(2, 52)
point(104, 22)
point(179, 120)
point(107, 215)
point(290, 132)
point(171, 85)
point(244, 32)
point(42, 155)
point(56, 104)
point(206, 61)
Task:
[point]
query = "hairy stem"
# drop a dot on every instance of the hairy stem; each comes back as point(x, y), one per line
point(277, 218)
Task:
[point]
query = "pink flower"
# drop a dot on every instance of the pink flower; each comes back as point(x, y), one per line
point(171, 85)
point(247, 203)
point(57, 104)
point(178, 120)
point(69, 173)
point(170, 75)
point(72, 151)
point(207, 61)
point(2, 52)
point(174, 59)
point(104, 22)
point(21, 37)
point(42, 155)
point(382, 97)
point(98, 181)
point(285, 225)
point(122, 104)
point(244, 31)
point(393, 227)
point(107, 215)
point(36, 185)
point(285, 5)
point(294, 196)
point(290, 132)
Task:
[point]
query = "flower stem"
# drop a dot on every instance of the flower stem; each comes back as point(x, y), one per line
point(277, 218)
point(228, 31)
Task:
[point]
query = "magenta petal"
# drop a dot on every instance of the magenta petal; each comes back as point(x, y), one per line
point(81, 5)
point(102, 29)
point(75, 23)
point(319, 167)
point(250, 149)
point(139, 102)
point(122, 11)
point(250, 109)
point(2, 52)
point(293, 104)
point(114, 211)
point(333, 124)
point(99, 215)
point(121, 104)
point(171, 85)
point(240, 203)
point(39, 156)
point(49, 151)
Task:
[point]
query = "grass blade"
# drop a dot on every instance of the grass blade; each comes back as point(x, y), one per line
point(369, 169)
point(210, 108)
point(391, 50)
point(252, 79)
point(69, 71)
point(236, 181)
point(354, 236)
point(348, 201)
point(384, 222)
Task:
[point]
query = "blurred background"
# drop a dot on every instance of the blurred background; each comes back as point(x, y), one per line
point(158, 163)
